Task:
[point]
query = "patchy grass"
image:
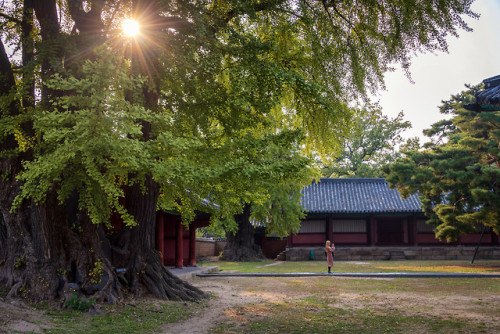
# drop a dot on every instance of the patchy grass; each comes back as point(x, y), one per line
point(365, 305)
point(269, 266)
point(347, 305)
point(303, 304)
point(143, 317)
point(314, 315)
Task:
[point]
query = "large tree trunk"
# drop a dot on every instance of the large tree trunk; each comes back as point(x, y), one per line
point(46, 252)
point(240, 246)
point(134, 249)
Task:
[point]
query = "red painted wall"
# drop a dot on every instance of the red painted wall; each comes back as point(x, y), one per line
point(185, 249)
point(350, 238)
point(169, 252)
point(309, 239)
point(389, 231)
point(474, 238)
point(429, 238)
point(272, 247)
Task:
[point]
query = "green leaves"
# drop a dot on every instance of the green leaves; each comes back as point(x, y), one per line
point(84, 137)
point(458, 176)
point(233, 96)
point(371, 142)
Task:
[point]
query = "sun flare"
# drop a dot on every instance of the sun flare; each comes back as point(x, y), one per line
point(130, 27)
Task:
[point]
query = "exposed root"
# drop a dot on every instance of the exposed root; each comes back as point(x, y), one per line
point(163, 284)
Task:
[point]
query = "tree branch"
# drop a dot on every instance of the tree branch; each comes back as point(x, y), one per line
point(258, 7)
point(7, 75)
point(10, 18)
point(86, 22)
point(349, 23)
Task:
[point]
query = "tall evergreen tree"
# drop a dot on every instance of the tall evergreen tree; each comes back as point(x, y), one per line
point(457, 174)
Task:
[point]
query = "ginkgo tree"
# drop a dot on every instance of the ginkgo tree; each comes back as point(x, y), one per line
point(207, 101)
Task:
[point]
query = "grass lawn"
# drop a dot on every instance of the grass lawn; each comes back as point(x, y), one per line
point(348, 305)
point(270, 266)
point(307, 304)
point(144, 316)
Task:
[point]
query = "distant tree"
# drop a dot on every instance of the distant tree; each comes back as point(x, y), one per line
point(371, 142)
point(457, 174)
point(279, 178)
point(279, 214)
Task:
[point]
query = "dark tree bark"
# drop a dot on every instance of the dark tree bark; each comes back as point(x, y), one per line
point(133, 249)
point(46, 252)
point(42, 251)
point(240, 246)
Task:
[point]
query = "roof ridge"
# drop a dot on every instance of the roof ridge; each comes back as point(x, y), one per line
point(356, 179)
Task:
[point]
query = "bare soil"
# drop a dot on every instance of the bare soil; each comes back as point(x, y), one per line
point(232, 293)
point(17, 317)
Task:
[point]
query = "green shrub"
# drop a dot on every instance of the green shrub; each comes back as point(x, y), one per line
point(78, 303)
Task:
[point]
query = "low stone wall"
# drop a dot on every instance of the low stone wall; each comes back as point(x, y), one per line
point(394, 253)
point(208, 247)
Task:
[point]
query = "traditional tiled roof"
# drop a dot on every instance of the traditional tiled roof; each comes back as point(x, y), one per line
point(490, 96)
point(356, 196)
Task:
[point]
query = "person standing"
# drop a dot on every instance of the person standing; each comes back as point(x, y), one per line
point(329, 255)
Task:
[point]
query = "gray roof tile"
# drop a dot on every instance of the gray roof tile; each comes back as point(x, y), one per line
point(490, 96)
point(356, 196)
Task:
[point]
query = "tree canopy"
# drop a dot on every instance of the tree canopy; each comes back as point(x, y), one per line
point(457, 174)
point(373, 141)
point(212, 102)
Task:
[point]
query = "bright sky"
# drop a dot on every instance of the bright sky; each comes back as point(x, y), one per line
point(472, 57)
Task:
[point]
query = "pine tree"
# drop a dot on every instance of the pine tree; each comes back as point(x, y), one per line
point(457, 174)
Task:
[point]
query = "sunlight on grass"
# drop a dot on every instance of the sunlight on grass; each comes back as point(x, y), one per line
point(446, 269)
point(269, 266)
point(313, 315)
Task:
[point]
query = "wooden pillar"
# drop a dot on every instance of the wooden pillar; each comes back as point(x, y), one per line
point(405, 230)
point(329, 235)
point(414, 231)
point(289, 240)
point(160, 234)
point(192, 244)
point(373, 231)
point(494, 238)
point(263, 241)
point(179, 245)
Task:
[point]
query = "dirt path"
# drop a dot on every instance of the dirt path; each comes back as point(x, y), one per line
point(225, 297)
point(17, 317)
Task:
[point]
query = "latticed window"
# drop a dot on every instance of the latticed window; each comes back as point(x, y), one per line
point(313, 226)
point(349, 226)
point(423, 227)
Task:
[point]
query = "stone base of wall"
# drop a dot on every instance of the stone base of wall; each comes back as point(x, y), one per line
point(394, 253)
